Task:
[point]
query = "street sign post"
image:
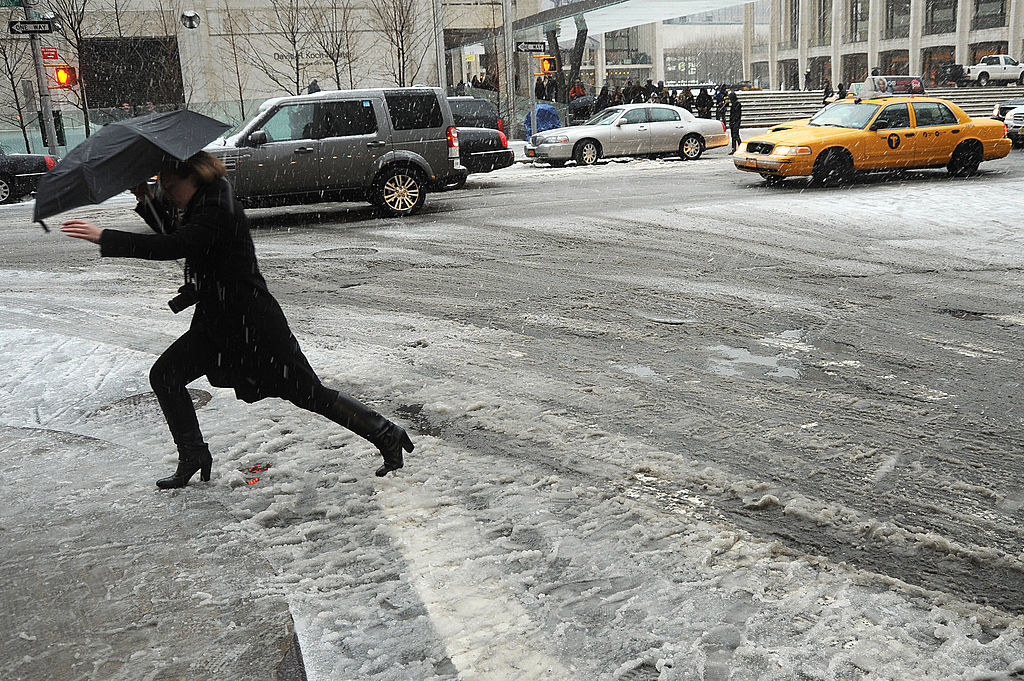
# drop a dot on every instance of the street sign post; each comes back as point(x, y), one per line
point(25, 27)
point(531, 46)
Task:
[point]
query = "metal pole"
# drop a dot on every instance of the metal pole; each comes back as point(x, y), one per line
point(507, 18)
point(44, 91)
point(439, 54)
point(533, 95)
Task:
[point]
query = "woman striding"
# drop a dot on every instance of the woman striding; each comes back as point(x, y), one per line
point(239, 337)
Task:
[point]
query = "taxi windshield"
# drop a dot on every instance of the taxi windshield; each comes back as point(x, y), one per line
point(605, 117)
point(845, 115)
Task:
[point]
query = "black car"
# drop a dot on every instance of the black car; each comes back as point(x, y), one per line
point(483, 146)
point(20, 173)
point(472, 112)
point(1000, 109)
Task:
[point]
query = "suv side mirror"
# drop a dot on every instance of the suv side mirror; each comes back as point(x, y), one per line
point(880, 124)
point(257, 137)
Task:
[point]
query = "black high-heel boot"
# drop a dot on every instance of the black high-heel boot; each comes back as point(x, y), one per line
point(188, 464)
point(390, 438)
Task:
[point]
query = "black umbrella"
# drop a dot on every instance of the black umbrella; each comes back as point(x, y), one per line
point(119, 156)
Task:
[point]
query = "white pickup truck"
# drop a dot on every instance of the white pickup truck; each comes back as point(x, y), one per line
point(995, 67)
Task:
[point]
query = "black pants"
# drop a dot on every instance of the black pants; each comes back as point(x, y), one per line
point(187, 359)
point(735, 134)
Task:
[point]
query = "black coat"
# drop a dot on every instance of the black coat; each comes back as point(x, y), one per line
point(735, 114)
point(235, 315)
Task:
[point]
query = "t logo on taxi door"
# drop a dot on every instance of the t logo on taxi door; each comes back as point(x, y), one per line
point(894, 141)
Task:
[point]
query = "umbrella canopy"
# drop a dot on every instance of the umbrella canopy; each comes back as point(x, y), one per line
point(547, 116)
point(120, 156)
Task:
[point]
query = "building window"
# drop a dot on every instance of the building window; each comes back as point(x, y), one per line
point(794, 23)
point(989, 14)
point(940, 16)
point(824, 32)
point(858, 21)
point(897, 19)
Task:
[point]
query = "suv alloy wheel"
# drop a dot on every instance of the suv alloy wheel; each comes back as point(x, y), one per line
point(400, 191)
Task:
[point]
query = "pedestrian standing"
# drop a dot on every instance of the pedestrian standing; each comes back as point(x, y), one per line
point(703, 102)
point(686, 101)
point(313, 87)
point(841, 91)
point(735, 120)
point(539, 91)
point(604, 99)
point(827, 92)
point(239, 337)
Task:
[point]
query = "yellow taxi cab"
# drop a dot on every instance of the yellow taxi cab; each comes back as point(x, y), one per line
point(877, 130)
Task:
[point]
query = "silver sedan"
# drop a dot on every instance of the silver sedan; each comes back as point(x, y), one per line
point(629, 130)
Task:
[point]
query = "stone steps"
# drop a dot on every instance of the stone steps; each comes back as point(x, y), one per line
point(766, 108)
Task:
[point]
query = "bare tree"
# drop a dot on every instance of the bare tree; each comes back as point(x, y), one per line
point(72, 26)
point(16, 62)
point(333, 31)
point(408, 33)
point(284, 35)
point(233, 43)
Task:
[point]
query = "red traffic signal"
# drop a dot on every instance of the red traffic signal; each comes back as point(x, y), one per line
point(65, 77)
point(548, 65)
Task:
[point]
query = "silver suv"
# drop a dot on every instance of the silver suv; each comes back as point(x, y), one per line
point(387, 146)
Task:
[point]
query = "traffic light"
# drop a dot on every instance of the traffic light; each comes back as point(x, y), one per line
point(66, 77)
point(63, 77)
point(548, 65)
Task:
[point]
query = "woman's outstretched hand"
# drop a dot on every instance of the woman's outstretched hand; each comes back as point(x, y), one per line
point(80, 229)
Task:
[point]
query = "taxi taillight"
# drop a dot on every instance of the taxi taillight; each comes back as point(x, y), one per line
point(1006, 130)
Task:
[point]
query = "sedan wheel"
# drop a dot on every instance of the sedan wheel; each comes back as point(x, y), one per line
point(6, 191)
point(691, 148)
point(587, 153)
point(401, 192)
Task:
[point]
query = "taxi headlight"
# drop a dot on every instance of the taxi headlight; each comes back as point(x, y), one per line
point(792, 151)
point(742, 147)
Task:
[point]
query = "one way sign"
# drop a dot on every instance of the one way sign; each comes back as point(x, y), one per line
point(25, 27)
point(531, 46)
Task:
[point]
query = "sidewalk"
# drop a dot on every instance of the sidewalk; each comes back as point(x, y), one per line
point(101, 579)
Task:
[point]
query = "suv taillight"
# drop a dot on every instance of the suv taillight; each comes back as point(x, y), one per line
point(501, 125)
point(504, 140)
point(50, 163)
point(453, 142)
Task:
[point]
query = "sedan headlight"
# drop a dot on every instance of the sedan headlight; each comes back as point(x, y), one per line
point(553, 139)
point(792, 151)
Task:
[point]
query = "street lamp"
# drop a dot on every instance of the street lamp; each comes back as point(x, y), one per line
point(190, 19)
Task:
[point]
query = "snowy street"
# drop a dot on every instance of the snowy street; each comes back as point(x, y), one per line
point(670, 424)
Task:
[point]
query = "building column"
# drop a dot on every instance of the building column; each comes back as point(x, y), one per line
point(600, 66)
point(1015, 32)
point(875, 13)
point(659, 53)
point(916, 31)
point(803, 35)
point(774, 36)
point(838, 30)
point(963, 27)
point(748, 40)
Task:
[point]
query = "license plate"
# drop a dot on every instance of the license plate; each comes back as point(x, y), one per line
point(531, 152)
point(749, 162)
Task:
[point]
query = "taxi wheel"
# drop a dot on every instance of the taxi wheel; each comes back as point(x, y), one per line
point(772, 180)
point(586, 153)
point(833, 167)
point(965, 160)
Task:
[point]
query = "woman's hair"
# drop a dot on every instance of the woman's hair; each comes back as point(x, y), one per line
point(204, 167)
